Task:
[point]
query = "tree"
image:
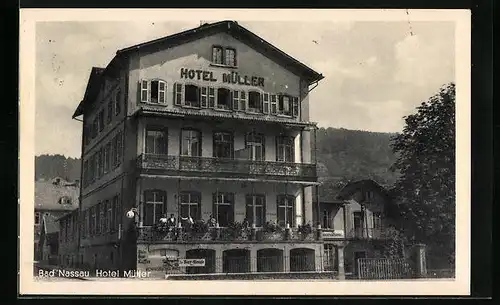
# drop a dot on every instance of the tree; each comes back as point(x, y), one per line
point(426, 163)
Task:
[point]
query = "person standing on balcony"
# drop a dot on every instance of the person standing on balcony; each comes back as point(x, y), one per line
point(163, 219)
point(171, 222)
point(212, 222)
point(188, 222)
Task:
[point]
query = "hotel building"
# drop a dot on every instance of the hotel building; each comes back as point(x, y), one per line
point(211, 124)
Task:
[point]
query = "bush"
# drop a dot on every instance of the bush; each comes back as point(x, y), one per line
point(270, 227)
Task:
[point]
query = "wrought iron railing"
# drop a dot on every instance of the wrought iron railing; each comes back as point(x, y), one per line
point(368, 233)
point(153, 234)
point(222, 165)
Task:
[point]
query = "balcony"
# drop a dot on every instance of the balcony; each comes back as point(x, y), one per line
point(228, 168)
point(180, 235)
point(368, 234)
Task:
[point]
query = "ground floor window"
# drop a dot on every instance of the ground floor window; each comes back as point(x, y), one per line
point(330, 261)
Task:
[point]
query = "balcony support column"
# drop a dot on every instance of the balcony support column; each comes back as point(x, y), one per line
point(340, 262)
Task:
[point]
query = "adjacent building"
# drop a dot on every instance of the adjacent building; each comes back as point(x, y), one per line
point(53, 198)
point(356, 223)
point(210, 124)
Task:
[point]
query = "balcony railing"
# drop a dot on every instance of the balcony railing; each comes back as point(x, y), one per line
point(368, 233)
point(152, 234)
point(243, 167)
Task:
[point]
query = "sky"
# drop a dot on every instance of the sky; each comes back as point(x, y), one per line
point(375, 72)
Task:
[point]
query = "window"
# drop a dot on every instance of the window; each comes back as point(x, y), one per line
point(37, 218)
point(109, 112)
point(109, 216)
point(377, 220)
point(153, 91)
point(95, 127)
point(230, 57)
point(285, 105)
point(93, 220)
point(190, 143)
point(223, 99)
point(86, 135)
point(118, 100)
point(256, 209)
point(255, 146)
point(100, 117)
point(284, 149)
point(190, 204)
point(223, 145)
point(119, 148)
point(326, 220)
point(358, 223)
point(97, 162)
point(285, 210)
point(99, 216)
point(107, 151)
point(115, 212)
point(223, 210)
point(154, 206)
point(254, 102)
point(192, 96)
point(113, 152)
point(100, 165)
point(217, 55)
point(224, 56)
point(85, 224)
point(156, 141)
point(368, 196)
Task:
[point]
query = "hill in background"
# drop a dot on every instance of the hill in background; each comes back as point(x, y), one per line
point(342, 154)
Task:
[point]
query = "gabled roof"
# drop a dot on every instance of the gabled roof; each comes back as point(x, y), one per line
point(329, 189)
point(49, 193)
point(352, 187)
point(92, 89)
point(230, 27)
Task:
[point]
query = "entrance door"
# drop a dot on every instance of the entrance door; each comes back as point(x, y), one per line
point(358, 224)
point(358, 255)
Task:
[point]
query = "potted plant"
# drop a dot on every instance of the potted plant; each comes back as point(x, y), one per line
point(269, 230)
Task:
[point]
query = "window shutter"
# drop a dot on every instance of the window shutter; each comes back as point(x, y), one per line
point(162, 90)
point(265, 103)
point(204, 97)
point(211, 97)
point(214, 203)
point(243, 100)
point(149, 91)
point(144, 90)
point(236, 99)
point(273, 104)
point(178, 94)
point(295, 106)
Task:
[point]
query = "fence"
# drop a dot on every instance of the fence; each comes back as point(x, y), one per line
point(383, 268)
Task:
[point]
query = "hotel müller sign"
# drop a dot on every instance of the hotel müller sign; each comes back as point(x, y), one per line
point(227, 78)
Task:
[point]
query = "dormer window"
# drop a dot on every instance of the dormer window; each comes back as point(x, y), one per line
point(224, 56)
point(217, 55)
point(65, 200)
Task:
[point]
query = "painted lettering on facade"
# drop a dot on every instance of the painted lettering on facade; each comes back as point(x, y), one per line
point(227, 78)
